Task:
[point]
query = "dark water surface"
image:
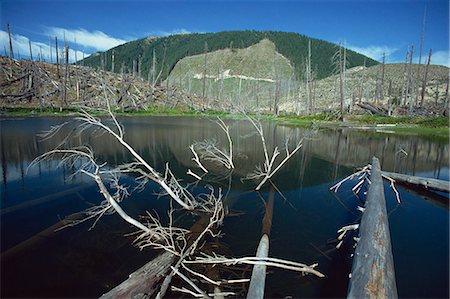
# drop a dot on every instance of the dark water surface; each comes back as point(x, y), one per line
point(84, 262)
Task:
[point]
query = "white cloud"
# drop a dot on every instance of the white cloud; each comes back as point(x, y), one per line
point(90, 39)
point(21, 48)
point(375, 52)
point(441, 58)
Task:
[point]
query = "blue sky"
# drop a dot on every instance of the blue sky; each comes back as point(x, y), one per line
point(370, 27)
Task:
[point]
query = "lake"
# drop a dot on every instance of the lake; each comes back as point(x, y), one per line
point(86, 261)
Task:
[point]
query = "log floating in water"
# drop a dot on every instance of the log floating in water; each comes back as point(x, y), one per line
point(373, 273)
point(143, 282)
point(428, 183)
point(258, 279)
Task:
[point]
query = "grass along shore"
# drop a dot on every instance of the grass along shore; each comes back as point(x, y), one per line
point(435, 126)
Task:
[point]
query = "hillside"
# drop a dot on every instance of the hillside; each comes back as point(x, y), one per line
point(138, 55)
point(242, 78)
point(362, 81)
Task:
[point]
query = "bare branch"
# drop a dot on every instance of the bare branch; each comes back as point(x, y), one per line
point(270, 167)
point(268, 261)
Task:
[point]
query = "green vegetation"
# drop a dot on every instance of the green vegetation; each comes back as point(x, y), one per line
point(427, 127)
point(293, 46)
point(35, 111)
point(430, 122)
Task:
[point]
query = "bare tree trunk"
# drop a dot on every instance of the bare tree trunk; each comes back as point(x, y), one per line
point(31, 52)
point(436, 93)
point(390, 98)
point(105, 61)
point(405, 78)
point(446, 95)
point(57, 60)
point(76, 71)
point(424, 82)
point(221, 83)
point(112, 60)
point(153, 68)
point(344, 76)
point(277, 98)
point(139, 66)
point(420, 57)
point(363, 79)
point(50, 49)
point(341, 82)
point(204, 71)
point(382, 78)
point(308, 78)
point(66, 71)
point(11, 52)
point(239, 93)
point(409, 87)
point(162, 65)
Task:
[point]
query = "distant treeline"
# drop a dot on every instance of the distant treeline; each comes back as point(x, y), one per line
point(137, 56)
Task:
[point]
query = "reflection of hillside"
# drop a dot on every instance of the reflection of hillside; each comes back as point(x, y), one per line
point(161, 139)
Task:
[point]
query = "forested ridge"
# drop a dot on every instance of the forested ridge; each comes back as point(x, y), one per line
point(137, 56)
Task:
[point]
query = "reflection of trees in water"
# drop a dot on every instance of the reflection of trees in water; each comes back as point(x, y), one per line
point(160, 138)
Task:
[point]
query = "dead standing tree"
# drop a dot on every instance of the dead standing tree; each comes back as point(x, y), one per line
point(11, 52)
point(339, 61)
point(424, 81)
point(308, 81)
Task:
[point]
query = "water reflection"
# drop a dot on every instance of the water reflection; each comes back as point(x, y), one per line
point(161, 139)
point(34, 201)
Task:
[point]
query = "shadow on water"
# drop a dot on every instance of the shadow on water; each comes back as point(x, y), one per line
point(78, 262)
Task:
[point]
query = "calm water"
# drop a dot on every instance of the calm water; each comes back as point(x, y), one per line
point(78, 262)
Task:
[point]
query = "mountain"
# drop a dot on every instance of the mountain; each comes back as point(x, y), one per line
point(171, 49)
point(244, 69)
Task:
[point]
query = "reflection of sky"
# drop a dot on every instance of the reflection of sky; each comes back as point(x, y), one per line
point(16, 172)
point(41, 180)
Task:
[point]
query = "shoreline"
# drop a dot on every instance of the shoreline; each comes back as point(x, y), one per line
point(430, 126)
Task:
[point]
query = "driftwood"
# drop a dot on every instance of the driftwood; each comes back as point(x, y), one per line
point(427, 183)
point(373, 274)
point(144, 282)
point(258, 279)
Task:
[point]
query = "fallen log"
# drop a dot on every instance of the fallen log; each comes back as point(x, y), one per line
point(373, 109)
point(373, 274)
point(144, 282)
point(258, 279)
point(427, 183)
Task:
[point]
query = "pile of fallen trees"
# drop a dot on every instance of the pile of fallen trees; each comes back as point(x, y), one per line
point(38, 84)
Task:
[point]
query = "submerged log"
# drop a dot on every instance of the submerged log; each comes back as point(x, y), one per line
point(373, 273)
point(258, 279)
point(427, 183)
point(145, 281)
